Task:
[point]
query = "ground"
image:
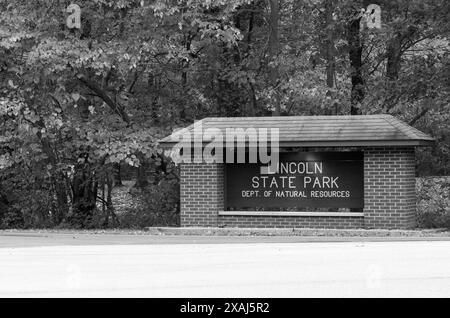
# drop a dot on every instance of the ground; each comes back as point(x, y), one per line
point(34, 264)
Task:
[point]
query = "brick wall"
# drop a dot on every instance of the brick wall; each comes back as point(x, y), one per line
point(389, 199)
point(389, 188)
point(201, 193)
point(323, 222)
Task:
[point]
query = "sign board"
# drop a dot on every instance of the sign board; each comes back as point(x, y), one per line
point(308, 179)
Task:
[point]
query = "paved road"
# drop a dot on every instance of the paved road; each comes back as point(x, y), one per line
point(337, 269)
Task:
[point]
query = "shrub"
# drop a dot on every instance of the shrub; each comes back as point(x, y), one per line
point(30, 209)
point(158, 205)
point(433, 202)
point(12, 219)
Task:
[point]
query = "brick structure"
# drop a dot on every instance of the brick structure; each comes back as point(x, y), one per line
point(389, 187)
point(389, 181)
point(202, 193)
point(389, 199)
point(322, 222)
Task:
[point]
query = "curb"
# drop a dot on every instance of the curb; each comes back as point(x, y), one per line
point(203, 231)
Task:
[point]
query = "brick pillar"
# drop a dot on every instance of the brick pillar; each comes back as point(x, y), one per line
point(389, 185)
point(201, 193)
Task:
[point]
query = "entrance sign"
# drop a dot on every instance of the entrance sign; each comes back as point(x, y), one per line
point(371, 186)
point(309, 180)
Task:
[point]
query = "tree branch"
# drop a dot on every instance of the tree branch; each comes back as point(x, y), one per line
point(118, 109)
point(418, 116)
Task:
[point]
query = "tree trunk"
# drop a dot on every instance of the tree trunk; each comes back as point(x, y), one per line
point(58, 180)
point(84, 188)
point(393, 58)
point(393, 54)
point(330, 43)
point(62, 207)
point(109, 204)
point(355, 55)
point(141, 178)
point(273, 53)
point(117, 175)
point(330, 51)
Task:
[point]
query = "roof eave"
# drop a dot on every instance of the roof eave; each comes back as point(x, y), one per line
point(337, 143)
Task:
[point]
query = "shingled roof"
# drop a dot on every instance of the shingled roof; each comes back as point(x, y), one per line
point(321, 131)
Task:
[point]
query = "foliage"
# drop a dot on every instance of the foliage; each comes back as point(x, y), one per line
point(76, 102)
point(433, 202)
point(158, 205)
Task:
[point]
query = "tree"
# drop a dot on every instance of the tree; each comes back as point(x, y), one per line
point(72, 95)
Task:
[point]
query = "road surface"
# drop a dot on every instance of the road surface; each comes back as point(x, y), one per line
point(249, 269)
point(35, 238)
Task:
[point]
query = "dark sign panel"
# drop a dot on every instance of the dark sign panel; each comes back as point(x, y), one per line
point(310, 179)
